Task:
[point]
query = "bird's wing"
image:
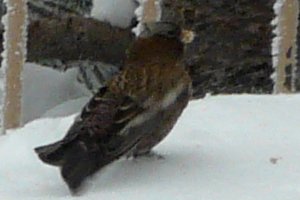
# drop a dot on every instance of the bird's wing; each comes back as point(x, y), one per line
point(103, 118)
point(97, 129)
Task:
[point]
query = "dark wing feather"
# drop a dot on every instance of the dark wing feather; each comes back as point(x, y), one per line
point(97, 128)
point(94, 140)
point(104, 116)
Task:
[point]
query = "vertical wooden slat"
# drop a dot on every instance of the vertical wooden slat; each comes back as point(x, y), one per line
point(150, 11)
point(15, 57)
point(295, 56)
point(2, 71)
point(287, 24)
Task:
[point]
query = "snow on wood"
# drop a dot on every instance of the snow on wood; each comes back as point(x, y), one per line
point(117, 12)
point(15, 53)
point(294, 56)
point(2, 74)
point(284, 44)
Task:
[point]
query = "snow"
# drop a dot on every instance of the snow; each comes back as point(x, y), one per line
point(223, 147)
point(139, 15)
point(116, 12)
point(45, 88)
point(67, 108)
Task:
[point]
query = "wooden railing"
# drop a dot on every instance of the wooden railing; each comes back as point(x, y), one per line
point(14, 56)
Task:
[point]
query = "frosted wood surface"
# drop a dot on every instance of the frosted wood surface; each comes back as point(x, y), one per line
point(15, 59)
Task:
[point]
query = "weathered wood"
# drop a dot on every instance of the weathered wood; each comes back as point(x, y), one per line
point(49, 9)
point(151, 11)
point(15, 53)
point(76, 39)
point(230, 54)
point(57, 8)
point(232, 49)
point(286, 61)
point(297, 71)
point(61, 42)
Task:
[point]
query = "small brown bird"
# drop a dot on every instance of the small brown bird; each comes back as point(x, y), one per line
point(129, 116)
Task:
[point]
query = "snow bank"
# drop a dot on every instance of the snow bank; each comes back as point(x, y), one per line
point(225, 147)
point(117, 12)
point(45, 88)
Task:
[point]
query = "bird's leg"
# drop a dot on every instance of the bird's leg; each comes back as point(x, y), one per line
point(144, 149)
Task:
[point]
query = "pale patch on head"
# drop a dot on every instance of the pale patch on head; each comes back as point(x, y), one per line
point(187, 36)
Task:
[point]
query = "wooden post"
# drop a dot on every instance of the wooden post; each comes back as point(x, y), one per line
point(14, 57)
point(287, 47)
point(147, 13)
point(151, 12)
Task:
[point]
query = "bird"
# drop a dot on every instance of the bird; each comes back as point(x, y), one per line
point(130, 115)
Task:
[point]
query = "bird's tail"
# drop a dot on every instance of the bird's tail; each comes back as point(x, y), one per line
point(51, 154)
point(77, 160)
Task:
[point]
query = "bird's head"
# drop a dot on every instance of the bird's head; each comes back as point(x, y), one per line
point(168, 30)
point(161, 40)
point(165, 29)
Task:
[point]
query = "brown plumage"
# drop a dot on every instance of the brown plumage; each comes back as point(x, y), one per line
point(129, 116)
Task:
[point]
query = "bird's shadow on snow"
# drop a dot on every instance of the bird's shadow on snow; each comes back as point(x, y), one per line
point(145, 172)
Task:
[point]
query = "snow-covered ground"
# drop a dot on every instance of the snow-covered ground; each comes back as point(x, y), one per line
point(238, 147)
